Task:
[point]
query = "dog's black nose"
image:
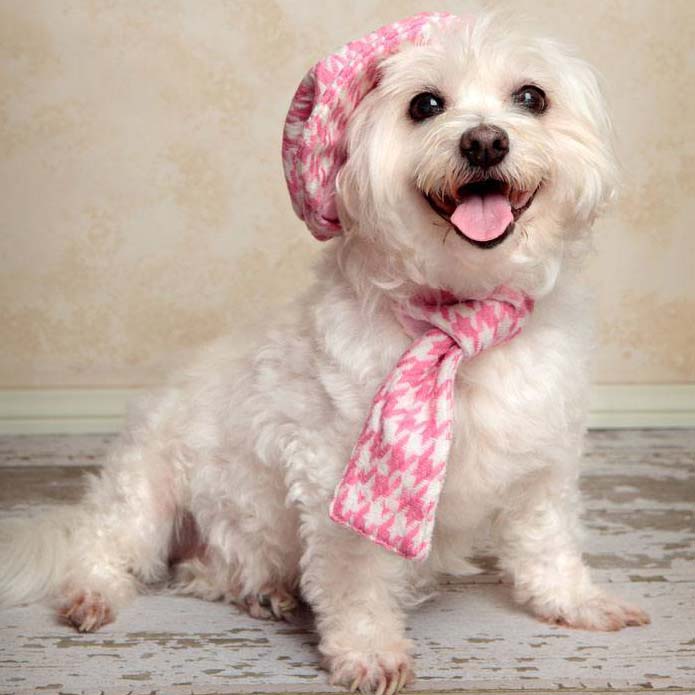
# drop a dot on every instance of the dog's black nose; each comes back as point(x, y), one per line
point(485, 145)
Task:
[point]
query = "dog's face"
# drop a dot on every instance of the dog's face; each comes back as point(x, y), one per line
point(477, 159)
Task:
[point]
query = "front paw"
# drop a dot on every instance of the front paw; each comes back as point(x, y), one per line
point(383, 672)
point(85, 610)
point(600, 612)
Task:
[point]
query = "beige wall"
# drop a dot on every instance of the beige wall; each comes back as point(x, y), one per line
point(143, 210)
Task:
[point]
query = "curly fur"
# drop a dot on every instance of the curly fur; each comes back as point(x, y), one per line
point(224, 478)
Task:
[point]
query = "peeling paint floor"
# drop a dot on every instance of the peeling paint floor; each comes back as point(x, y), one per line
point(639, 491)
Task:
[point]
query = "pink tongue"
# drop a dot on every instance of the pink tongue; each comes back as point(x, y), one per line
point(483, 217)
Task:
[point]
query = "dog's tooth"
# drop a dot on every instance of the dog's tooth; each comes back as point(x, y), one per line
point(519, 198)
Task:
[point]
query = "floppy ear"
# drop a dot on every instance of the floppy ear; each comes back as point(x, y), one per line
point(587, 134)
point(353, 182)
point(365, 182)
point(346, 197)
point(603, 164)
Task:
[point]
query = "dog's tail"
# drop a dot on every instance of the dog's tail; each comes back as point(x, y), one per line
point(35, 555)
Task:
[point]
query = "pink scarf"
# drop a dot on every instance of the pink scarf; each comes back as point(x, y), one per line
point(391, 485)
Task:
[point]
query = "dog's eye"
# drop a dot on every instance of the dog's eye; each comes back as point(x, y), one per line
point(425, 106)
point(531, 98)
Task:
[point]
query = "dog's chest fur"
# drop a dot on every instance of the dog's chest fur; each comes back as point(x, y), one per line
point(516, 405)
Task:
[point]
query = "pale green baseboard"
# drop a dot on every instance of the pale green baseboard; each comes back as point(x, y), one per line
point(81, 411)
point(642, 405)
point(63, 411)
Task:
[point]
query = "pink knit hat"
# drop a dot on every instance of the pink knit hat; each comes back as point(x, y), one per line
point(313, 143)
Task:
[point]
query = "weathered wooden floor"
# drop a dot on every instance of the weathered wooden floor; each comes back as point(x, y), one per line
point(639, 491)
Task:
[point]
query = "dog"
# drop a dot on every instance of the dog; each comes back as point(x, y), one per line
point(461, 156)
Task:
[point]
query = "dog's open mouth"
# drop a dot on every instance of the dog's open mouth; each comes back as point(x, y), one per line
point(483, 212)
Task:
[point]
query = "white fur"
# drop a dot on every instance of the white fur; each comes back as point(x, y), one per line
point(252, 450)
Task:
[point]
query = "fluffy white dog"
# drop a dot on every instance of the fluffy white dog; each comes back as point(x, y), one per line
point(224, 480)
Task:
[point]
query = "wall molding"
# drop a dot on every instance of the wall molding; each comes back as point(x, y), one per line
point(642, 405)
point(63, 411)
point(82, 411)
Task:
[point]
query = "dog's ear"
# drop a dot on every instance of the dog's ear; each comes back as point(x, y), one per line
point(365, 183)
point(346, 197)
point(355, 180)
point(590, 167)
point(603, 161)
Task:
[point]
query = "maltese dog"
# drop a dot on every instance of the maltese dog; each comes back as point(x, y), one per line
point(430, 387)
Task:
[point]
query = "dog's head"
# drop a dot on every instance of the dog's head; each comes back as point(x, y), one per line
point(477, 160)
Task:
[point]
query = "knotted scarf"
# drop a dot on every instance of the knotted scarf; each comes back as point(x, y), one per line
point(391, 484)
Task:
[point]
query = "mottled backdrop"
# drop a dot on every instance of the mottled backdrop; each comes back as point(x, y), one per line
point(143, 210)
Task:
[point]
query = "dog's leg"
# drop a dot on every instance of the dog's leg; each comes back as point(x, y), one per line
point(121, 536)
point(354, 587)
point(538, 546)
point(212, 579)
point(241, 541)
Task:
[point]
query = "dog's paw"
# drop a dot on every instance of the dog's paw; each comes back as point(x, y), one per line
point(601, 612)
point(271, 604)
point(385, 672)
point(87, 611)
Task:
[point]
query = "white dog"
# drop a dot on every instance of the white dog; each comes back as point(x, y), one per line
point(224, 480)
